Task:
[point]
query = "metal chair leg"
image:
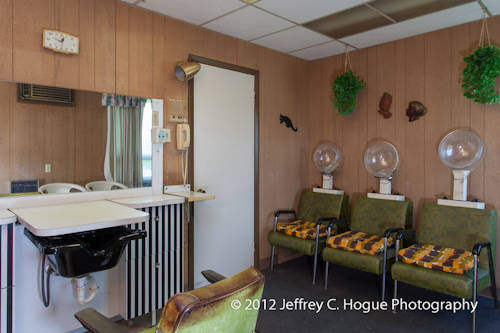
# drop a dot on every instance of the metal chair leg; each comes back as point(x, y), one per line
point(384, 269)
point(492, 279)
point(326, 275)
point(474, 295)
point(315, 264)
point(395, 294)
point(316, 255)
point(272, 258)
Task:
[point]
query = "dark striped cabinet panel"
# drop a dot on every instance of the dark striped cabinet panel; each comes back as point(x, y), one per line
point(6, 278)
point(155, 265)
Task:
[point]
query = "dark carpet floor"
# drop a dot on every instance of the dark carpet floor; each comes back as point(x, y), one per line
point(294, 279)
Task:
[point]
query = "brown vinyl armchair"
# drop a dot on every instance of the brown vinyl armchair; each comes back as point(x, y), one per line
point(204, 310)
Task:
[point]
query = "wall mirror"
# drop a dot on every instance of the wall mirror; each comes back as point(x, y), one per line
point(55, 140)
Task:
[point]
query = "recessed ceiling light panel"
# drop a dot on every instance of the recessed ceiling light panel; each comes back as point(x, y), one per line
point(408, 9)
point(250, 2)
point(348, 22)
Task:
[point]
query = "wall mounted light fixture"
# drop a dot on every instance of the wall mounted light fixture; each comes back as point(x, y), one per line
point(185, 71)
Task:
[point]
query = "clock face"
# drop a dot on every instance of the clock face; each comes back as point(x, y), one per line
point(59, 41)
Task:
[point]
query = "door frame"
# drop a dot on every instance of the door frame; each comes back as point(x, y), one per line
point(256, 236)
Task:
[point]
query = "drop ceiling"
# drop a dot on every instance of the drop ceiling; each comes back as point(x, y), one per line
point(314, 29)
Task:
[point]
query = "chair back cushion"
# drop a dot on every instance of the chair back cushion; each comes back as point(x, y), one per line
point(375, 216)
point(314, 205)
point(208, 309)
point(458, 227)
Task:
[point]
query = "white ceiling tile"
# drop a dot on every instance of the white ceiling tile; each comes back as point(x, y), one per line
point(248, 23)
point(292, 39)
point(302, 11)
point(431, 22)
point(493, 6)
point(321, 51)
point(192, 11)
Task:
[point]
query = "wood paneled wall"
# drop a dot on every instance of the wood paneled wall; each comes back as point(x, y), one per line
point(129, 50)
point(426, 68)
point(133, 51)
point(71, 139)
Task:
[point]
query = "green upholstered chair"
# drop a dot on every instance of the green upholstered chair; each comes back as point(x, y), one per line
point(379, 219)
point(458, 228)
point(204, 310)
point(316, 209)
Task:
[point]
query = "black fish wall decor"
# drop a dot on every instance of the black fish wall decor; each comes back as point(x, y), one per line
point(288, 122)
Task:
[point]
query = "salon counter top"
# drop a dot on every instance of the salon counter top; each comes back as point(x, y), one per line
point(63, 219)
point(7, 217)
point(149, 201)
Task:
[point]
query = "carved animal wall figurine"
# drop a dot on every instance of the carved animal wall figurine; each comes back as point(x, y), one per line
point(415, 110)
point(385, 105)
point(288, 122)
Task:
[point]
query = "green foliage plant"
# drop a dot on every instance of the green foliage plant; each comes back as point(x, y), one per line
point(482, 70)
point(346, 88)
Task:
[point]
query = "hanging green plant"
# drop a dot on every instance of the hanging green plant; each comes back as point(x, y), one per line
point(480, 75)
point(482, 70)
point(346, 89)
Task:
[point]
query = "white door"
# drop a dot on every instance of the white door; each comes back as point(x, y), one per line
point(224, 166)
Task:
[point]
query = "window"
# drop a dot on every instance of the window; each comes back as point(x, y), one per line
point(147, 151)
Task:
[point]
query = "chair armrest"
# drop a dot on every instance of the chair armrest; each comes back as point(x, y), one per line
point(406, 232)
point(284, 211)
point(340, 223)
point(97, 323)
point(212, 276)
point(479, 246)
point(389, 231)
point(322, 220)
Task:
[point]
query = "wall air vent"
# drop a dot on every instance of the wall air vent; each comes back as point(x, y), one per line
point(42, 94)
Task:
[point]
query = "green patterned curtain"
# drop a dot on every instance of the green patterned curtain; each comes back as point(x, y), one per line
point(123, 162)
point(122, 100)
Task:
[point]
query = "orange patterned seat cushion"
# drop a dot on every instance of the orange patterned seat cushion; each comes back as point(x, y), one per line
point(437, 257)
point(302, 229)
point(358, 242)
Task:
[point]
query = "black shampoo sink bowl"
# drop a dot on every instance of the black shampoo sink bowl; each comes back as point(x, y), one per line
point(86, 252)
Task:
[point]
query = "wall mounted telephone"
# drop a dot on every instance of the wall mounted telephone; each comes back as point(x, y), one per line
point(183, 137)
point(183, 142)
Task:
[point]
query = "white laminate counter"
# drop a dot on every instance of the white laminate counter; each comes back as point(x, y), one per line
point(77, 217)
point(149, 201)
point(7, 217)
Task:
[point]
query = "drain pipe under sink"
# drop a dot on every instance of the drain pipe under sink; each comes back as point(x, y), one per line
point(80, 286)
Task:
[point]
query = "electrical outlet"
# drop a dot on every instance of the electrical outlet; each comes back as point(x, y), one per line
point(48, 168)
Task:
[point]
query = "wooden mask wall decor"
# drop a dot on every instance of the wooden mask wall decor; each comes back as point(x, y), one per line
point(415, 110)
point(385, 105)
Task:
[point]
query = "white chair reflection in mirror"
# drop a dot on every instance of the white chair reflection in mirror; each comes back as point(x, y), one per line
point(103, 185)
point(128, 147)
point(60, 188)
